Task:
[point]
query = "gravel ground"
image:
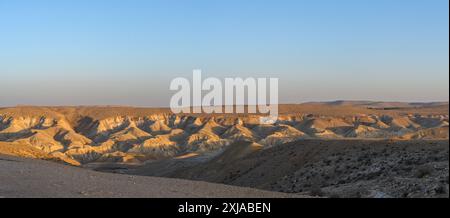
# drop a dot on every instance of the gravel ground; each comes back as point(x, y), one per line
point(21, 177)
point(327, 168)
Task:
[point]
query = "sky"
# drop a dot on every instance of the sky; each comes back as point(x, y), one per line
point(115, 52)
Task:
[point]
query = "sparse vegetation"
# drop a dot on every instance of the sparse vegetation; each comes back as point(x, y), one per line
point(423, 171)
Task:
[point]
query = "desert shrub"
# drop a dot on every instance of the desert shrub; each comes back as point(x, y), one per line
point(423, 171)
point(358, 193)
point(440, 189)
point(316, 191)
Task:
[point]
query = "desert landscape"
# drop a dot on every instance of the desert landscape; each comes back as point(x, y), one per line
point(325, 149)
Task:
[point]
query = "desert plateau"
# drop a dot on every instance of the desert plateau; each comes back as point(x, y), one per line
point(326, 149)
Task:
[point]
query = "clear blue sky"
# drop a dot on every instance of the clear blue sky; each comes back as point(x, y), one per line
point(70, 52)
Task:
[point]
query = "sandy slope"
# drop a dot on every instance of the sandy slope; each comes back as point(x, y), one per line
point(35, 178)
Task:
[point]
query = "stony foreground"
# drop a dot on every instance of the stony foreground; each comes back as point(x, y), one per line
point(35, 178)
point(328, 168)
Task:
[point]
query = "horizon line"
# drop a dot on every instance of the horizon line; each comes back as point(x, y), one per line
point(164, 107)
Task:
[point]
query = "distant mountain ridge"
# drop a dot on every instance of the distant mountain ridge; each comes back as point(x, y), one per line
point(381, 104)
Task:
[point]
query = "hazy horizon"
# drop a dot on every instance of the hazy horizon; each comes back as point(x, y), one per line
point(126, 53)
point(167, 107)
